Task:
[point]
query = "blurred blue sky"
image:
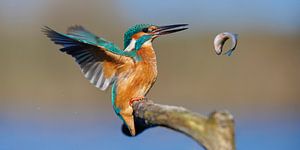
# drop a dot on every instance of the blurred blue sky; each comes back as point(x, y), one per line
point(274, 14)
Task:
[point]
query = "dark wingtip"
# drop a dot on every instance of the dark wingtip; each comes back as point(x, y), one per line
point(75, 27)
point(47, 30)
point(51, 34)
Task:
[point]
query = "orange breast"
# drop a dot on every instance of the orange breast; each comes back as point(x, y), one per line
point(137, 80)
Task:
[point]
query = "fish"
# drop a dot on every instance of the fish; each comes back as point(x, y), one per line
point(220, 40)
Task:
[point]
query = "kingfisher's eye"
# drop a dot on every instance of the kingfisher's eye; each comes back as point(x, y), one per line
point(145, 30)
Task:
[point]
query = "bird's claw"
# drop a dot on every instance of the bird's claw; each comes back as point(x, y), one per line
point(136, 99)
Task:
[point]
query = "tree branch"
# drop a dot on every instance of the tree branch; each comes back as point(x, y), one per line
point(215, 132)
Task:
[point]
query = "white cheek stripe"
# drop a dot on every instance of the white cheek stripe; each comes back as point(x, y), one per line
point(131, 45)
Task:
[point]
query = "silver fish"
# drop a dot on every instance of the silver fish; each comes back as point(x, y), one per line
point(220, 40)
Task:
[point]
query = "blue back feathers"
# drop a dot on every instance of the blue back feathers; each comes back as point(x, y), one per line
point(77, 35)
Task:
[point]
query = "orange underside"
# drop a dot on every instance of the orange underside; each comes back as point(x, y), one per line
point(134, 83)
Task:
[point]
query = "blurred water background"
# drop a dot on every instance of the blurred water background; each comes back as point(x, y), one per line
point(46, 103)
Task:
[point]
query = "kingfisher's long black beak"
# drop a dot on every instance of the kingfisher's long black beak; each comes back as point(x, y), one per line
point(162, 30)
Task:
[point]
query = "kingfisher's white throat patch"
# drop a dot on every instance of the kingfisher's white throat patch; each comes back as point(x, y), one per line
point(148, 43)
point(131, 46)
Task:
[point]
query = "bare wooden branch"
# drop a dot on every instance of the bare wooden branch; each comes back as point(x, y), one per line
point(215, 132)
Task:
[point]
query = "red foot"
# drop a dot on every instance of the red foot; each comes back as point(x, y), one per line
point(135, 99)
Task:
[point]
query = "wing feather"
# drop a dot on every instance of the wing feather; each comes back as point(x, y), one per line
point(91, 53)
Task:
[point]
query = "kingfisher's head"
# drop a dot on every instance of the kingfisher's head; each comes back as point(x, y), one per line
point(142, 34)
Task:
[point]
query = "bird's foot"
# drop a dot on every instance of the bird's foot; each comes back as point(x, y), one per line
point(136, 99)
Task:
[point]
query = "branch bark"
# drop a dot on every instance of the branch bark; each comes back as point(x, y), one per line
point(215, 132)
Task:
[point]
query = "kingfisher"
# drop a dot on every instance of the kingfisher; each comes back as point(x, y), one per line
point(131, 71)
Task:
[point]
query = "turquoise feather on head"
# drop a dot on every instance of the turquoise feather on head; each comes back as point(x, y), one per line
point(141, 41)
point(133, 30)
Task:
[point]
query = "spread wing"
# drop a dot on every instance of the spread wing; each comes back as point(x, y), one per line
point(97, 58)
